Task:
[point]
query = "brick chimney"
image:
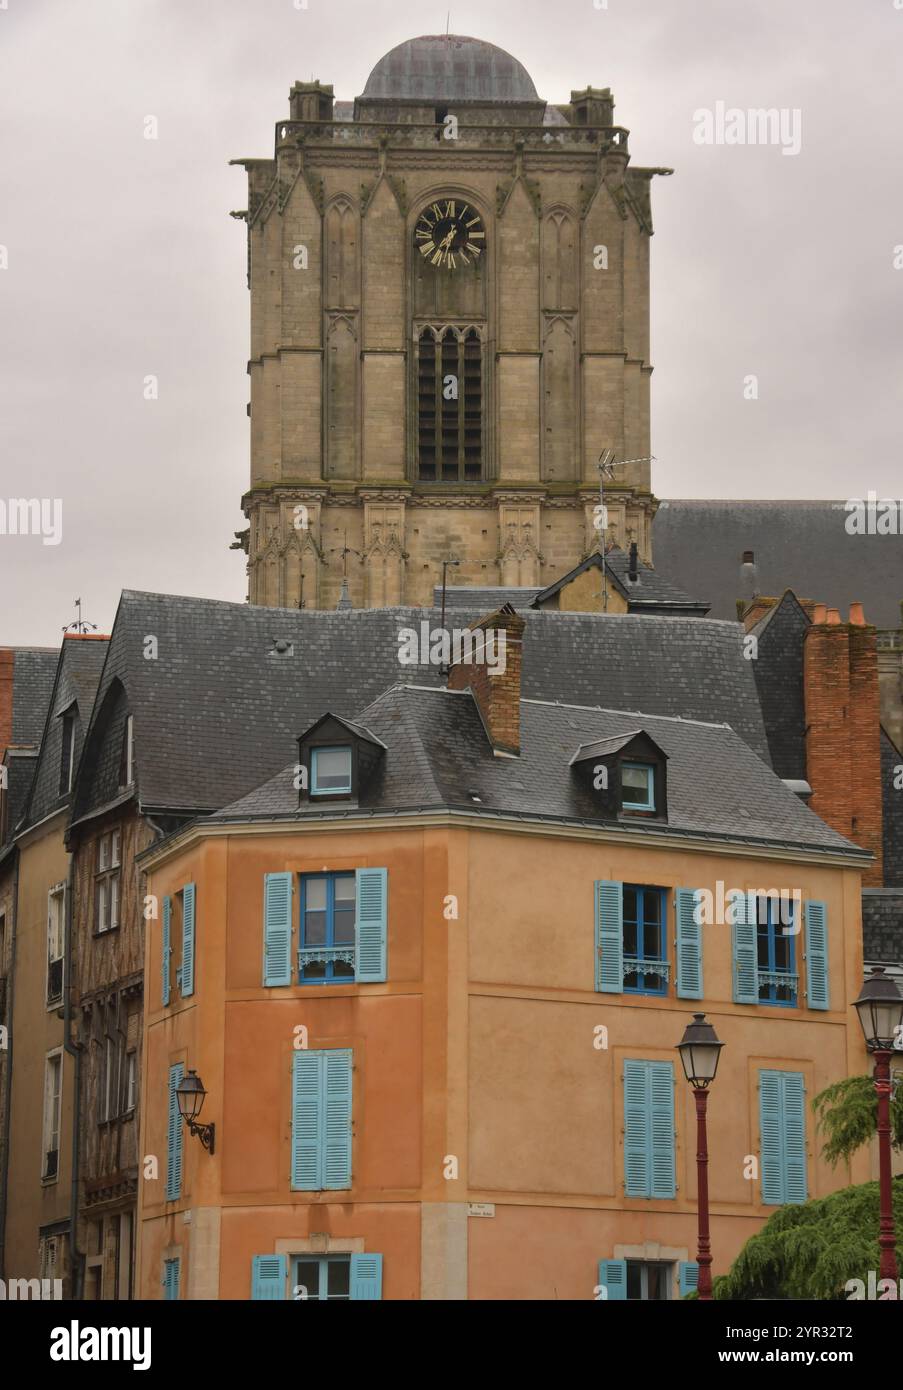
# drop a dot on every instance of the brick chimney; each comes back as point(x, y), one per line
point(843, 750)
point(756, 609)
point(498, 696)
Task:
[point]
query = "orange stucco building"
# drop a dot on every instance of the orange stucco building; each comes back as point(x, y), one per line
point(458, 975)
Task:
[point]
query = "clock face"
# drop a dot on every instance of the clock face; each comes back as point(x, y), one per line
point(450, 234)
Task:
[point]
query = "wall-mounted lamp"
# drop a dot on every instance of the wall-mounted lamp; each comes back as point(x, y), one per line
point(191, 1095)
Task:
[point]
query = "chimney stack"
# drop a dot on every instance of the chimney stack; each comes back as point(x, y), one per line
point(497, 696)
point(843, 750)
point(749, 576)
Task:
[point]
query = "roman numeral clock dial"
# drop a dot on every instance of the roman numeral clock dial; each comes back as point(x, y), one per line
point(450, 234)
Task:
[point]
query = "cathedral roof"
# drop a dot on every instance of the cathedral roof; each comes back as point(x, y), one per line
point(450, 67)
point(800, 545)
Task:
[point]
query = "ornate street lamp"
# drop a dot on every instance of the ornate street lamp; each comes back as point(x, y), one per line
point(699, 1050)
point(880, 1010)
point(191, 1096)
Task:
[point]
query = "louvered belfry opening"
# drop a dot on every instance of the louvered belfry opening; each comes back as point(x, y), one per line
point(450, 405)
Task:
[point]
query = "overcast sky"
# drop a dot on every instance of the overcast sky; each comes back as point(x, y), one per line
point(123, 261)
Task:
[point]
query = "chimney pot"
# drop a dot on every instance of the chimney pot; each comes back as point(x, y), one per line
point(632, 569)
point(857, 615)
point(820, 613)
point(833, 618)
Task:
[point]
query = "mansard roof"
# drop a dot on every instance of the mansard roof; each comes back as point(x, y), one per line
point(438, 758)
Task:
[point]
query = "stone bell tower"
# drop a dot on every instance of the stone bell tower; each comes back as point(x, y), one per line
point(449, 326)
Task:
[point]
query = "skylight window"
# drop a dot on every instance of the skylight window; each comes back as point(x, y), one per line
point(637, 787)
point(330, 771)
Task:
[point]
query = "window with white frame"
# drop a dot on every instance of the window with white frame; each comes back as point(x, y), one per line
point(107, 881)
point(131, 1080)
point(127, 757)
point(56, 937)
point(53, 1085)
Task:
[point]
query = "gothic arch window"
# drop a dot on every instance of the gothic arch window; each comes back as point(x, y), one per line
point(450, 405)
point(342, 237)
point(559, 258)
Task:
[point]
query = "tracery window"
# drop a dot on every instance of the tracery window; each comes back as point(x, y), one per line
point(450, 405)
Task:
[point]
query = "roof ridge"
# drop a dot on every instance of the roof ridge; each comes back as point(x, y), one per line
point(634, 713)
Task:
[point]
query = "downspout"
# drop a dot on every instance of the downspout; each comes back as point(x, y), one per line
point(74, 1050)
point(8, 1080)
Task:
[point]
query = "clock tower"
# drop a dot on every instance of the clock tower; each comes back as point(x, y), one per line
point(449, 326)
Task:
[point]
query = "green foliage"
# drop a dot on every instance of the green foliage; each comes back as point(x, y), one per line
point(810, 1250)
point(847, 1113)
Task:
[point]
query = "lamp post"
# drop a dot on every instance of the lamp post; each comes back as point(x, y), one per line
point(699, 1050)
point(191, 1095)
point(880, 1010)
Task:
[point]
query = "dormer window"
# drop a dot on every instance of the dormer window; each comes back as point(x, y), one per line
point(637, 787)
point(330, 771)
point(625, 776)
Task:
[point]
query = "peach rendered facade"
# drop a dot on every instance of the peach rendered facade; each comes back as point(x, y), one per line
point(487, 1112)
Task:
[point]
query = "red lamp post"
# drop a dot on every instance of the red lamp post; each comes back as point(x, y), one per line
point(699, 1050)
point(880, 1010)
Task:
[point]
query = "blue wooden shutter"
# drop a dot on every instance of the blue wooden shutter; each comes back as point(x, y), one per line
point(336, 1147)
point(770, 1127)
point(277, 929)
point(306, 1121)
point(689, 945)
point(817, 993)
point(745, 951)
point(636, 1129)
point(367, 1276)
point(689, 1277)
point(794, 1117)
point(661, 1130)
point(174, 1137)
point(171, 1271)
point(268, 1278)
point(609, 937)
point(370, 926)
point(189, 898)
point(166, 949)
point(613, 1278)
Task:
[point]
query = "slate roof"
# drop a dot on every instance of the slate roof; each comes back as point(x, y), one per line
point(440, 758)
point(77, 676)
point(215, 714)
point(34, 670)
point(882, 926)
point(801, 545)
point(478, 601)
point(650, 592)
point(20, 765)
